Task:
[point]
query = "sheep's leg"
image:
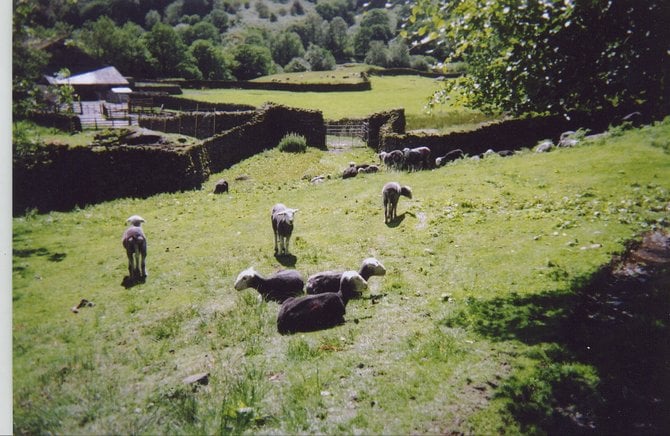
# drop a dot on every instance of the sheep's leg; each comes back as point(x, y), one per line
point(144, 264)
point(288, 239)
point(130, 263)
point(276, 242)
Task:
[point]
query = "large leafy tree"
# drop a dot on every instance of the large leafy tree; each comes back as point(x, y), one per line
point(171, 54)
point(286, 46)
point(553, 55)
point(375, 26)
point(251, 61)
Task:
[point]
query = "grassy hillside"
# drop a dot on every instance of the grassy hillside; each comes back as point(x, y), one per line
point(409, 92)
point(412, 357)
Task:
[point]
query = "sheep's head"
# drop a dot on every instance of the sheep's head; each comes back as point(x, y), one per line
point(245, 278)
point(136, 220)
point(406, 191)
point(288, 213)
point(352, 284)
point(373, 266)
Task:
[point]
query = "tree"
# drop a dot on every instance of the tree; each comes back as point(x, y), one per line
point(329, 9)
point(286, 46)
point(553, 56)
point(210, 60)
point(377, 54)
point(171, 54)
point(200, 30)
point(251, 61)
point(337, 39)
point(375, 26)
point(319, 58)
point(398, 54)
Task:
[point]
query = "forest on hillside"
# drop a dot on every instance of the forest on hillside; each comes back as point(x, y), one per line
point(521, 56)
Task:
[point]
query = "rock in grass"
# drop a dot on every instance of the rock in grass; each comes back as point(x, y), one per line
point(197, 379)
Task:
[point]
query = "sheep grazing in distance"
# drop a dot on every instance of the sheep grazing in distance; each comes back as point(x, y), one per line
point(276, 287)
point(544, 146)
point(135, 243)
point(416, 158)
point(568, 139)
point(391, 193)
point(221, 187)
point(321, 311)
point(329, 281)
point(449, 157)
point(282, 226)
point(369, 169)
point(392, 159)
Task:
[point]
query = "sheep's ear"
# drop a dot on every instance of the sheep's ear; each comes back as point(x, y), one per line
point(295, 210)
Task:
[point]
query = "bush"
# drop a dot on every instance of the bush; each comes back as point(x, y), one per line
point(297, 65)
point(293, 143)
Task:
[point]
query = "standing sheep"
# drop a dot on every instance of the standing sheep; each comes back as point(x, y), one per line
point(276, 287)
point(321, 311)
point(329, 281)
point(282, 226)
point(135, 243)
point(390, 195)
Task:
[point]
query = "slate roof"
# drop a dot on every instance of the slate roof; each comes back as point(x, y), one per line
point(103, 76)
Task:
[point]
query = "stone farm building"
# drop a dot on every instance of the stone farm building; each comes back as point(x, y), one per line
point(101, 84)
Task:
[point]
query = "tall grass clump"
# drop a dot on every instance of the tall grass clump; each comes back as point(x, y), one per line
point(293, 143)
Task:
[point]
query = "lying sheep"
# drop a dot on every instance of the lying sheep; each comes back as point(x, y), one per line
point(282, 226)
point(277, 287)
point(221, 187)
point(369, 169)
point(329, 281)
point(568, 139)
point(135, 243)
point(449, 157)
point(350, 171)
point(391, 193)
point(321, 311)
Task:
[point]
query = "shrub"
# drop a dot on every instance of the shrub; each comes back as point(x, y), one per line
point(293, 143)
point(297, 65)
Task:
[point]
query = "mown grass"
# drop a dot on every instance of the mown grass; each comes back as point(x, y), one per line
point(409, 92)
point(483, 251)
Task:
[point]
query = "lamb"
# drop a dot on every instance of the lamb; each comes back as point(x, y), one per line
point(329, 281)
point(282, 226)
point(390, 195)
point(221, 187)
point(135, 243)
point(321, 311)
point(449, 157)
point(392, 159)
point(277, 287)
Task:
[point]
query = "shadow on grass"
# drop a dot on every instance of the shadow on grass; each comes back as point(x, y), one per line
point(603, 349)
point(287, 260)
point(129, 282)
point(395, 222)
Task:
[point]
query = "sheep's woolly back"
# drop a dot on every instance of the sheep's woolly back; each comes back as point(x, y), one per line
point(245, 278)
point(136, 220)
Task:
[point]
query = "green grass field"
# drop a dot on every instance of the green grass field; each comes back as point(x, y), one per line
point(483, 251)
point(409, 92)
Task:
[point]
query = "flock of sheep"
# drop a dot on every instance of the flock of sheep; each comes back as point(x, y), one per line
point(320, 304)
point(327, 293)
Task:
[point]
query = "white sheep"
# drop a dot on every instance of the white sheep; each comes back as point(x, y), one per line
point(390, 195)
point(329, 281)
point(282, 226)
point(276, 287)
point(321, 311)
point(135, 243)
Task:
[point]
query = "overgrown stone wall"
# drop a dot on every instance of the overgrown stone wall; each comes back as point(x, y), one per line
point(505, 135)
point(64, 122)
point(197, 124)
point(382, 124)
point(62, 177)
point(65, 177)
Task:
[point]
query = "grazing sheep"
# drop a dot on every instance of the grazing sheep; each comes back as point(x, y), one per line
point(135, 243)
point(329, 281)
point(505, 153)
point(449, 157)
point(221, 187)
point(567, 139)
point(416, 158)
point(350, 171)
point(390, 195)
point(277, 287)
point(392, 159)
point(544, 146)
point(282, 226)
point(321, 311)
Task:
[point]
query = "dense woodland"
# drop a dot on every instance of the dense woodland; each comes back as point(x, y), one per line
point(521, 55)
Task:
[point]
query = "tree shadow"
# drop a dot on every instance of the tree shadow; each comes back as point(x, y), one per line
point(287, 260)
point(614, 322)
